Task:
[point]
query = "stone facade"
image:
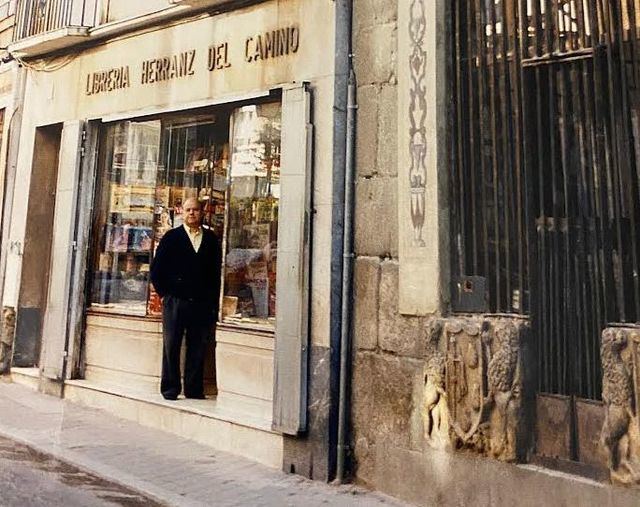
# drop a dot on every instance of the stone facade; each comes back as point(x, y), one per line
point(620, 438)
point(442, 405)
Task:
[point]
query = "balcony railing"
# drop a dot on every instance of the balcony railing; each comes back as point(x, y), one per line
point(36, 17)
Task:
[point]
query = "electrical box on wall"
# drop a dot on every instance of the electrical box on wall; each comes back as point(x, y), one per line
point(469, 294)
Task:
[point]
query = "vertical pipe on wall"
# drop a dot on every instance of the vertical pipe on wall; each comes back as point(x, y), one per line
point(340, 325)
point(347, 269)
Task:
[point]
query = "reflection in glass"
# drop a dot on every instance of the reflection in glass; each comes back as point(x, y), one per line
point(125, 217)
point(252, 228)
point(149, 168)
point(196, 155)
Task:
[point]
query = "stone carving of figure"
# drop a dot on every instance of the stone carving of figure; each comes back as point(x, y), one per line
point(618, 397)
point(504, 390)
point(435, 411)
point(434, 400)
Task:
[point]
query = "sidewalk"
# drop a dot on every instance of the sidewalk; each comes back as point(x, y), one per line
point(168, 468)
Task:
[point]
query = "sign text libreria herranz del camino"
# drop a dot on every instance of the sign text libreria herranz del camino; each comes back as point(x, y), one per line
point(264, 46)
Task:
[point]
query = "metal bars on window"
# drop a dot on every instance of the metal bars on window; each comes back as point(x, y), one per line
point(546, 169)
point(488, 200)
point(35, 17)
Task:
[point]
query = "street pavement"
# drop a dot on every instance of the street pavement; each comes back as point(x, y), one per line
point(34, 479)
point(61, 453)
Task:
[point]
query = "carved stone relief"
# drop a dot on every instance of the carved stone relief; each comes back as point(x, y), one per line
point(417, 116)
point(620, 438)
point(473, 387)
point(435, 412)
point(7, 332)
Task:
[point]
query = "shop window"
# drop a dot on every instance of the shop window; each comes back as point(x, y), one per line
point(148, 170)
point(252, 227)
point(126, 217)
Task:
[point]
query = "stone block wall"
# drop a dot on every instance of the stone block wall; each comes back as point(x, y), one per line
point(389, 348)
point(440, 405)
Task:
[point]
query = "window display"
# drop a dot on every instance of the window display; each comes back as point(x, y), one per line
point(125, 230)
point(149, 168)
point(252, 223)
point(197, 155)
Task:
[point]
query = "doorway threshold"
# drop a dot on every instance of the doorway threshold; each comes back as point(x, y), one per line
point(232, 424)
point(28, 377)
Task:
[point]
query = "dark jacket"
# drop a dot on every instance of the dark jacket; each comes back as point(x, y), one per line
point(177, 270)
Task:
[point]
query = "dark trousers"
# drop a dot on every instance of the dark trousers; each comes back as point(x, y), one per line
point(189, 319)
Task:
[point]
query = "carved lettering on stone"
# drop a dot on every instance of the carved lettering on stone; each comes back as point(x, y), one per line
point(620, 436)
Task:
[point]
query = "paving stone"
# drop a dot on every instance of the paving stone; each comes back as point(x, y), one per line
point(139, 457)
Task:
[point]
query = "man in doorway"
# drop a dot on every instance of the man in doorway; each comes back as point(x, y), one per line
point(185, 272)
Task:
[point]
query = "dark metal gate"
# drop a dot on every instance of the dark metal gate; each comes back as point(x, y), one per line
point(545, 186)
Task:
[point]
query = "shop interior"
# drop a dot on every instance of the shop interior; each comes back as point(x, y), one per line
point(227, 157)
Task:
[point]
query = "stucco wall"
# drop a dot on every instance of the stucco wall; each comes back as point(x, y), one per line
point(115, 10)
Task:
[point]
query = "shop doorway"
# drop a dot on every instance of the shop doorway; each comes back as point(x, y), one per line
point(36, 253)
point(147, 168)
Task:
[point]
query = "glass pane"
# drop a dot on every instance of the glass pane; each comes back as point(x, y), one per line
point(252, 228)
point(125, 217)
point(196, 154)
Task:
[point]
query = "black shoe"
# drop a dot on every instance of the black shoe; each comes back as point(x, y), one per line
point(196, 397)
point(170, 397)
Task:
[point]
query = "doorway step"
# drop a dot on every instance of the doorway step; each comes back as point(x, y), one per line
point(236, 424)
point(28, 377)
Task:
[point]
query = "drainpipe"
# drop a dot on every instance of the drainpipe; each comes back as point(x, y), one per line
point(347, 278)
point(347, 255)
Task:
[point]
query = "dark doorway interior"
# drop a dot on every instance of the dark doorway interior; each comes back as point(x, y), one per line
point(37, 246)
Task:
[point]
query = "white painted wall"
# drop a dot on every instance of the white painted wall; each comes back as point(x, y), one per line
point(116, 10)
point(59, 96)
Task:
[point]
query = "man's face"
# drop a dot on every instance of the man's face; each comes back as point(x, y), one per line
point(192, 213)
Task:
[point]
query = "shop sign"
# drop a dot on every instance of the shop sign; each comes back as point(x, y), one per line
point(272, 44)
point(168, 67)
point(268, 45)
point(107, 80)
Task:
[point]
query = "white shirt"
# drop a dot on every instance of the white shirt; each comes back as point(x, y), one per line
point(195, 237)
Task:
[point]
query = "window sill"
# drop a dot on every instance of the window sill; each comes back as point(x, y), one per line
point(247, 328)
point(254, 329)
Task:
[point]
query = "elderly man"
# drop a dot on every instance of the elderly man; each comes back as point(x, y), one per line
point(186, 274)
